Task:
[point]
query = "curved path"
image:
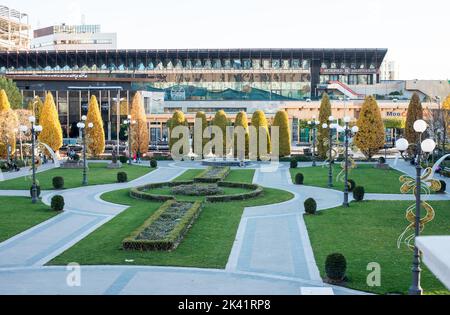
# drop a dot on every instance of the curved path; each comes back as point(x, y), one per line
point(271, 255)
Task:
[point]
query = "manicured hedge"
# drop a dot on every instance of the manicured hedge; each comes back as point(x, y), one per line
point(141, 191)
point(173, 237)
point(207, 177)
point(256, 192)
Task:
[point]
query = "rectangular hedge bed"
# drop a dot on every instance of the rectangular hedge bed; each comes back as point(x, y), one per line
point(165, 229)
point(213, 174)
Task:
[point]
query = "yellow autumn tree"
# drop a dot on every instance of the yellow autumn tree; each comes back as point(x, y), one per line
point(8, 126)
point(241, 121)
point(259, 120)
point(35, 106)
point(139, 130)
point(95, 136)
point(220, 120)
point(51, 127)
point(282, 121)
point(201, 116)
point(446, 120)
point(178, 119)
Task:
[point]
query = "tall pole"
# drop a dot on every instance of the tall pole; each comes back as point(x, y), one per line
point(34, 196)
point(314, 144)
point(83, 135)
point(330, 169)
point(118, 122)
point(415, 288)
point(129, 142)
point(347, 131)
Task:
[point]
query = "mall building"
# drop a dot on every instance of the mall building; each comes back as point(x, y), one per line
point(204, 80)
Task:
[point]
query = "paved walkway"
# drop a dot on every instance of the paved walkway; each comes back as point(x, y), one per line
point(25, 171)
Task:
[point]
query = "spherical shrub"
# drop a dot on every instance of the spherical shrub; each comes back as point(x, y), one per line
point(310, 206)
point(294, 163)
point(443, 186)
point(299, 179)
point(153, 163)
point(382, 160)
point(335, 267)
point(122, 177)
point(38, 191)
point(57, 203)
point(123, 159)
point(351, 184)
point(358, 193)
point(58, 182)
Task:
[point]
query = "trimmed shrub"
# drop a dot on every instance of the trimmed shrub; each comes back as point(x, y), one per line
point(57, 203)
point(358, 193)
point(197, 190)
point(256, 192)
point(153, 163)
point(351, 185)
point(310, 206)
point(58, 182)
point(213, 174)
point(123, 159)
point(335, 267)
point(443, 186)
point(382, 160)
point(38, 190)
point(294, 163)
point(122, 177)
point(299, 179)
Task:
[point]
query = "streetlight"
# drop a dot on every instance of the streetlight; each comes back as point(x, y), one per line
point(330, 126)
point(22, 129)
point(314, 123)
point(349, 132)
point(426, 146)
point(34, 129)
point(81, 126)
point(129, 122)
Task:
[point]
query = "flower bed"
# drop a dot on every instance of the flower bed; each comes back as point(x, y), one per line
point(165, 229)
point(141, 192)
point(197, 190)
point(212, 174)
point(256, 191)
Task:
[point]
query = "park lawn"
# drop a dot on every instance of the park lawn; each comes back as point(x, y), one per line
point(241, 176)
point(98, 174)
point(367, 232)
point(207, 244)
point(373, 180)
point(18, 214)
point(166, 191)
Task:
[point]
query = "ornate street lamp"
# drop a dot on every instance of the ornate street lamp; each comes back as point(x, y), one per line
point(330, 126)
point(129, 122)
point(314, 123)
point(349, 132)
point(426, 146)
point(34, 130)
point(22, 129)
point(81, 126)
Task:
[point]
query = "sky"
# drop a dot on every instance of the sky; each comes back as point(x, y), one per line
point(416, 32)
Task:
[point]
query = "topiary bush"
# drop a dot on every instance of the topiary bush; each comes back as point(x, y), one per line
point(299, 179)
point(153, 163)
point(351, 185)
point(294, 163)
point(122, 177)
point(57, 203)
point(443, 186)
point(335, 267)
point(382, 160)
point(310, 206)
point(123, 159)
point(38, 190)
point(358, 193)
point(58, 182)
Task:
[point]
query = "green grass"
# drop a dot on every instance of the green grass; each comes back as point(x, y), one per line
point(373, 180)
point(166, 191)
point(367, 232)
point(18, 214)
point(207, 244)
point(241, 176)
point(98, 174)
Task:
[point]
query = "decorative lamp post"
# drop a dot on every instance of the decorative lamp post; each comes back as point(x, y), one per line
point(34, 130)
point(426, 146)
point(22, 129)
point(348, 132)
point(313, 125)
point(129, 122)
point(330, 126)
point(82, 126)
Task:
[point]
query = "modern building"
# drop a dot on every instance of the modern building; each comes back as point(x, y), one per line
point(14, 30)
point(194, 80)
point(389, 70)
point(73, 37)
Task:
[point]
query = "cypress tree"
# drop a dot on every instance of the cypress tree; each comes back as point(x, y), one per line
point(8, 122)
point(371, 136)
point(220, 120)
point(51, 127)
point(282, 121)
point(323, 134)
point(259, 120)
point(35, 106)
point(139, 130)
point(95, 136)
point(202, 116)
point(241, 121)
point(178, 119)
point(415, 112)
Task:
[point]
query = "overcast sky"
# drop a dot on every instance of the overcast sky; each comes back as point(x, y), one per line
point(416, 32)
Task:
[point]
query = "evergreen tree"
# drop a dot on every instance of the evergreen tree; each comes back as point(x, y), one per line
point(323, 134)
point(220, 120)
point(371, 136)
point(8, 124)
point(35, 106)
point(241, 121)
point(202, 116)
point(139, 130)
point(415, 112)
point(13, 93)
point(259, 120)
point(446, 122)
point(51, 127)
point(178, 119)
point(282, 121)
point(95, 136)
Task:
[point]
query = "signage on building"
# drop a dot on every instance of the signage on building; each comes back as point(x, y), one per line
point(348, 71)
point(395, 114)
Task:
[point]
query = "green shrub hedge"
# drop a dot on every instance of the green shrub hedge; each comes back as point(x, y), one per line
point(310, 206)
point(351, 185)
point(57, 203)
point(299, 178)
point(358, 193)
point(58, 182)
point(141, 192)
point(335, 267)
point(171, 238)
point(293, 163)
point(122, 177)
point(212, 174)
point(123, 159)
point(256, 192)
point(153, 163)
